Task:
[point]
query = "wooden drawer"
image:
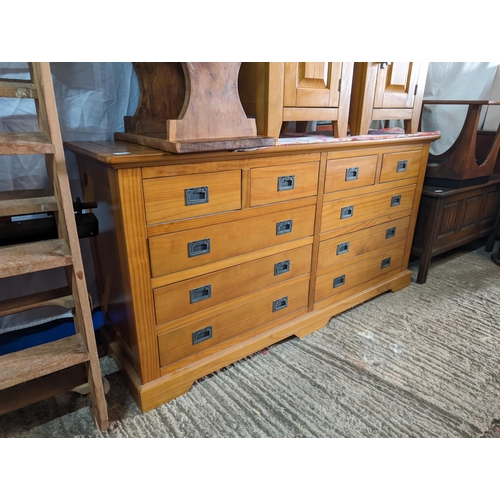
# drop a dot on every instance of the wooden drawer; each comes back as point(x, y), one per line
point(283, 183)
point(190, 296)
point(350, 274)
point(264, 307)
point(350, 173)
point(185, 196)
point(352, 245)
point(397, 166)
point(346, 211)
point(187, 249)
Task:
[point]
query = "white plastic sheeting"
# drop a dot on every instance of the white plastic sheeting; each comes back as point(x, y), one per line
point(93, 98)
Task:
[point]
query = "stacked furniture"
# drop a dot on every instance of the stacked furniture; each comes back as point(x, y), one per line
point(205, 258)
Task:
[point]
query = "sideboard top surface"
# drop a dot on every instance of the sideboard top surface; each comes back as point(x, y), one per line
point(121, 154)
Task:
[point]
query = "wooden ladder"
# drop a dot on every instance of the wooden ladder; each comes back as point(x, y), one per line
point(39, 372)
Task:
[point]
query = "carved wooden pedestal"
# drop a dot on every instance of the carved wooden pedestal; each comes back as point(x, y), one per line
point(211, 118)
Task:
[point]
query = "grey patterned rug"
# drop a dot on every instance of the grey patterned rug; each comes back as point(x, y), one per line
point(424, 362)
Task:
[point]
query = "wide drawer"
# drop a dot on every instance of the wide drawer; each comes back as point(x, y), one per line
point(341, 213)
point(397, 166)
point(187, 249)
point(350, 274)
point(350, 173)
point(185, 196)
point(283, 183)
point(190, 296)
point(276, 303)
point(352, 245)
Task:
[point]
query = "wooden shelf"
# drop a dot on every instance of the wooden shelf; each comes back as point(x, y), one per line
point(27, 201)
point(25, 143)
point(59, 297)
point(22, 366)
point(33, 257)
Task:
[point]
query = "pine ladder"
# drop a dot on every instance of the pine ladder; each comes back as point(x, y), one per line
point(40, 372)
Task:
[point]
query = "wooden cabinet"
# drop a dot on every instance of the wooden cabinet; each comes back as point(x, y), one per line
point(450, 217)
point(296, 91)
point(387, 91)
point(203, 259)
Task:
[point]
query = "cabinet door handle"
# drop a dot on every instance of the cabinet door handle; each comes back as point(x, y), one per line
point(396, 200)
point(196, 196)
point(200, 293)
point(199, 247)
point(390, 233)
point(281, 267)
point(346, 212)
point(202, 335)
point(280, 304)
point(401, 166)
point(352, 174)
point(339, 281)
point(286, 182)
point(343, 248)
point(385, 263)
point(284, 227)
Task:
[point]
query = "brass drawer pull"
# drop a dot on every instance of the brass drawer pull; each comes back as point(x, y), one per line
point(339, 281)
point(385, 263)
point(280, 304)
point(396, 200)
point(346, 212)
point(281, 267)
point(401, 166)
point(196, 196)
point(286, 182)
point(202, 335)
point(390, 233)
point(352, 174)
point(200, 293)
point(284, 227)
point(343, 248)
point(199, 247)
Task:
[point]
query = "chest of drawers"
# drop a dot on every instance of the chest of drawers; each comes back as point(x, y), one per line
point(203, 259)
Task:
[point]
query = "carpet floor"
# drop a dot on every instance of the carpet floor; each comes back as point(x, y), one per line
point(420, 363)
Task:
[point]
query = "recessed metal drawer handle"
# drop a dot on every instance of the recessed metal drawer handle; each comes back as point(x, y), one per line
point(396, 200)
point(343, 248)
point(202, 335)
point(346, 212)
point(352, 174)
point(280, 304)
point(385, 263)
point(284, 227)
point(401, 166)
point(286, 182)
point(199, 247)
point(200, 293)
point(281, 267)
point(339, 281)
point(390, 233)
point(196, 196)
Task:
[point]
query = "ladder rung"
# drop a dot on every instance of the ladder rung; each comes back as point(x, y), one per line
point(25, 143)
point(34, 362)
point(27, 201)
point(32, 257)
point(58, 297)
point(10, 87)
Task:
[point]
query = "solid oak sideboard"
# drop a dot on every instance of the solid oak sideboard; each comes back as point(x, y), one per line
point(203, 259)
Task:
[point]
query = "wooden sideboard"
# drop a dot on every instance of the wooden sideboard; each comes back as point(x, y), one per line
point(203, 259)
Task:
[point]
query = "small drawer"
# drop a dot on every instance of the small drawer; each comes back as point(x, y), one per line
point(349, 275)
point(346, 211)
point(283, 183)
point(186, 196)
point(190, 296)
point(351, 245)
point(350, 173)
point(396, 166)
point(262, 308)
point(196, 247)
